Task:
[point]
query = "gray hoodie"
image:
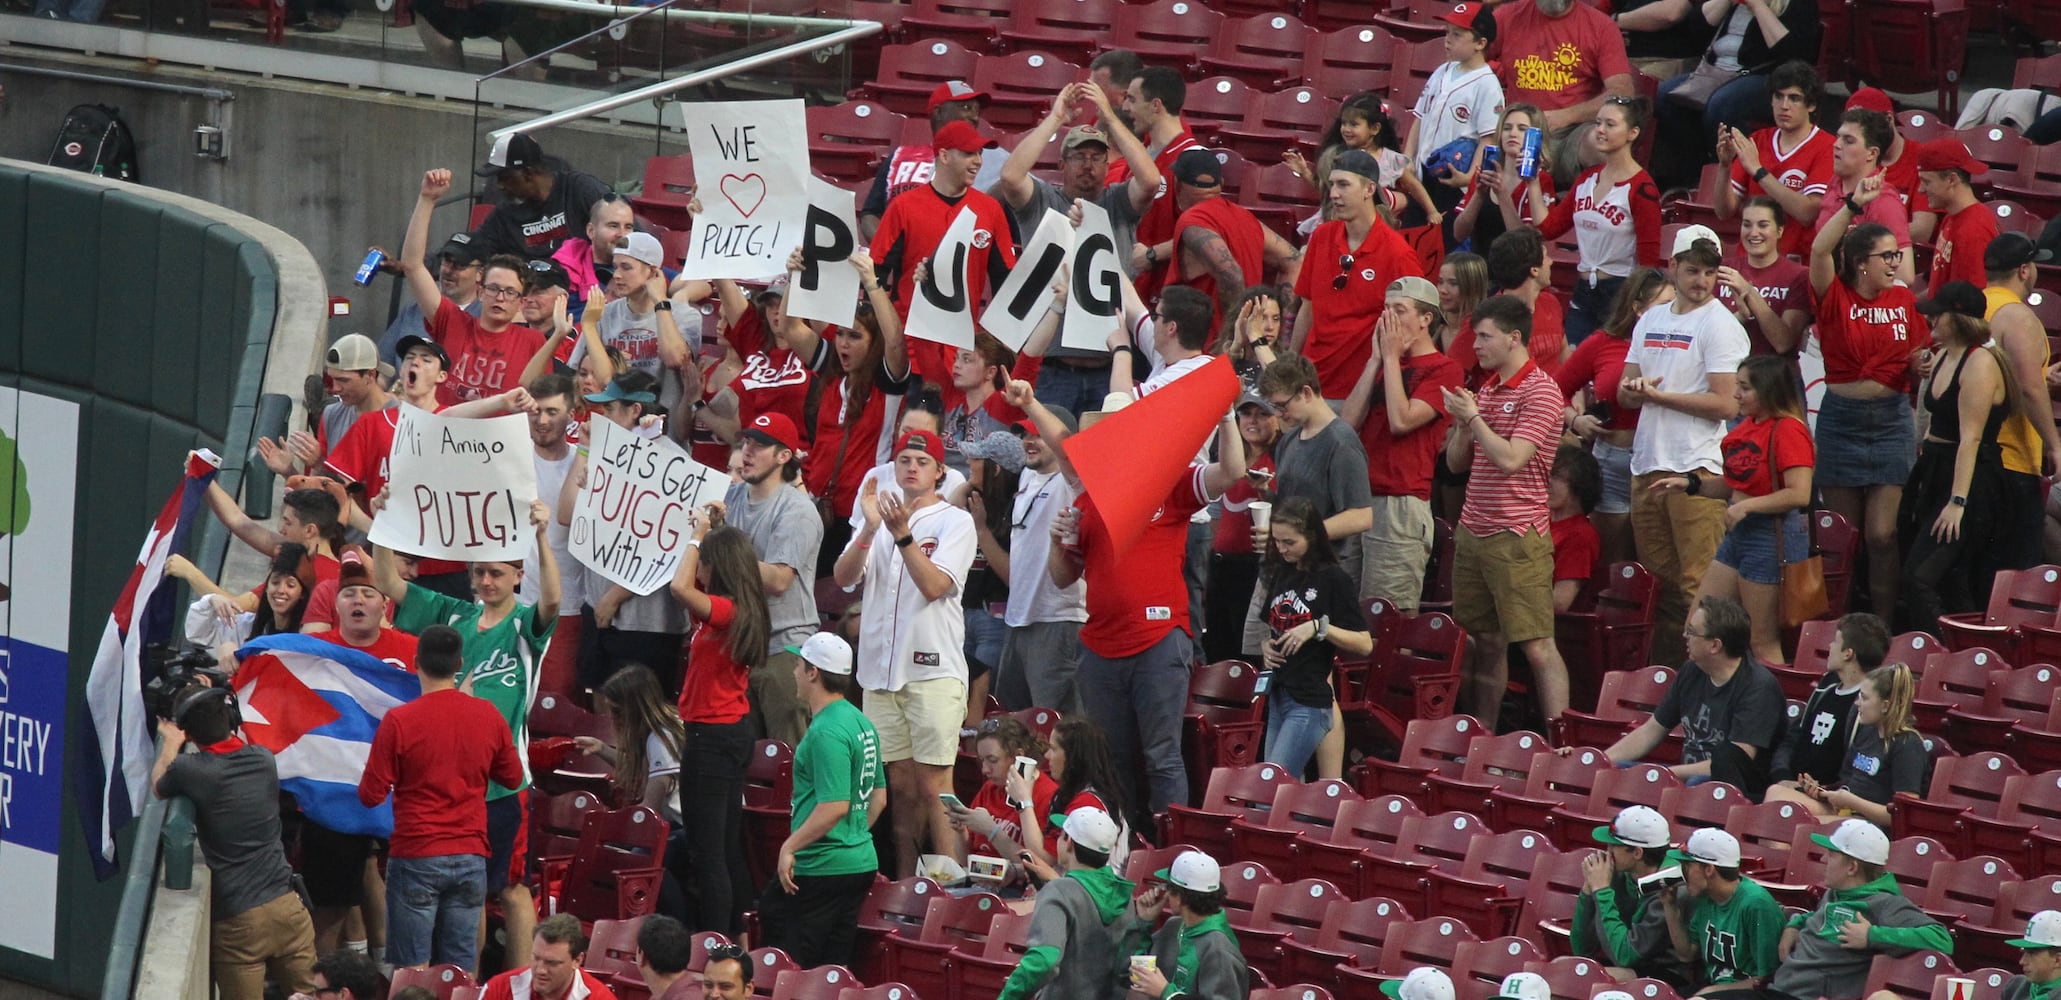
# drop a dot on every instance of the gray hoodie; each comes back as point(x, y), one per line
point(1819, 966)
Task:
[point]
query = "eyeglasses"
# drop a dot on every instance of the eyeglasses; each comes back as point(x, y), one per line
point(1345, 268)
point(1280, 404)
point(1891, 257)
point(727, 952)
point(1693, 634)
point(499, 292)
point(1086, 156)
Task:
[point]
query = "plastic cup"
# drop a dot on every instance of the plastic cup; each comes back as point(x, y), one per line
point(1262, 514)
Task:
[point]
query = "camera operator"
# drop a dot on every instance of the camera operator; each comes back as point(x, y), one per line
point(260, 926)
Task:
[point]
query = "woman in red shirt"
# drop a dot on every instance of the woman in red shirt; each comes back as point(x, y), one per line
point(1868, 332)
point(1768, 468)
point(994, 823)
point(1589, 381)
point(718, 582)
point(853, 420)
point(1079, 761)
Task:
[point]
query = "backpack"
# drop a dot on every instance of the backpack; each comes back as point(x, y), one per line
point(95, 140)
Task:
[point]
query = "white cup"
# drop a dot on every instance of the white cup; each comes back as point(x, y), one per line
point(1262, 514)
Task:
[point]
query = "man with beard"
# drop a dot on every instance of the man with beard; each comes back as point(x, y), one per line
point(487, 352)
point(1566, 58)
point(541, 207)
point(771, 507)
point(590, 260)
point(550, 416)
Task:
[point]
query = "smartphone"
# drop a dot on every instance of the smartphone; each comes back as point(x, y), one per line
point(951, 801)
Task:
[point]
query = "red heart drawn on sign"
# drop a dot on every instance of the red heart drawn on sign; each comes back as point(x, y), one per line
point(747, 193)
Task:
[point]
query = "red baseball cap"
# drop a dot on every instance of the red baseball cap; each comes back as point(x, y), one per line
point(926, 442)
point(954, 90)
point(961, 136)
point(1474, 16)
point(775, 429)
point(1949, 153)
point(1872, 99)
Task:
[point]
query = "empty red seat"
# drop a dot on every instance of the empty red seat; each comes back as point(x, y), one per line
point(1480, 966)
point(1279, 912)
point(2027, 827)
point(1278, 198)
point(441, 980)
point(2015, 904)
point(1413, 677)
point(950, 923)
point(1215, 104)
point(1170, 31)
point(1430, 746)
point(1299, 810)
point(1921, 44)
point(1348, 60)
point(1225, 722)
point(1259, 49)
point(1645, 989)
point(615, 871)
point(1350, 934)
point(1493, 763)
point(848, 140)
point(1959, 679)
point(1020, 87)
point(1232, 792)
point(1615, 634)
point(1369, 825)
point(2017, 597)
point(1913, 859)
point(1066, 25)
point(1426, 844)
point(909, 73)
point(1965, 891)
point(2011, 697)
point(891, 909)
point(1761, 827)
point(1490, 886)
point(1911, 976)
point(556, 822)
point(612, 948)
point(1573, 978)
point(1625, 699)
point(768, 806)
point(767, 964)
point(1633, 785)
point(972, 23)
point(824, 982)
point(981, 970)
point(1709, 803)
point(1974, 783)
point(1242, 884)
point(1434, 942)
point(1279, 120)
point(2037, 183)
point(668, 187)
point(1555, 781)
point(1547, 915)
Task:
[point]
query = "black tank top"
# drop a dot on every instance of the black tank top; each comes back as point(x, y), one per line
point(1945, 408)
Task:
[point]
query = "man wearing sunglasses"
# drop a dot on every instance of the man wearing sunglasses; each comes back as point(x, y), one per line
point(1352, 260)
point(487, 352)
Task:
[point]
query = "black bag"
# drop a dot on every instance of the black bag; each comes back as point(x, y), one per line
point(95, 140)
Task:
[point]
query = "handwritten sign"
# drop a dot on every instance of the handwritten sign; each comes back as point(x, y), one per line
point(630, 522)
point(751, 170)
point(1094, 302)
point(459, 489)
point(1023, 300)
point(941, 309)
point(826, 288)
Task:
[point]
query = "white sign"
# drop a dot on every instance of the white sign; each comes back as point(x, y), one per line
point(1094, 301)
point(630, 522)
point(751, 172)
point(940, 309)
point(459, 489)
point(1023, 300)
point(826, 288)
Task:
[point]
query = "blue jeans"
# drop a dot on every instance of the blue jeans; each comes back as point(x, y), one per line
point(82, 11)
point(1137, 700)
point(1078, 389)
point(1589, 309)
point(1293, 731)
point(433, 909)
point(1687, 141)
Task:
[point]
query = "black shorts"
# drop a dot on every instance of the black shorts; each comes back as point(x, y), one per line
point(333, 866)
point(507, 837)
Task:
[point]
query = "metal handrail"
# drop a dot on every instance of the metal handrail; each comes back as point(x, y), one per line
point(210, 93)
point(601, 7)
point(857, 30)
point(139, 884)
point(643, 11)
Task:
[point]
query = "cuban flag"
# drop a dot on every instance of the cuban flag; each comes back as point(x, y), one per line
point(117, 742)
point(316, 705)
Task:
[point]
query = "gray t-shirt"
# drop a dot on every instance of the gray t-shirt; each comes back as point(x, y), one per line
point(1749, 709)
point(236, 811)
point(1330, 468)
point(787, 531)
point(1123, 224)
point(653, 612)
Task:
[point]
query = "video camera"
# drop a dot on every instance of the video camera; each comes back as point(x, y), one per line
point(178, 666)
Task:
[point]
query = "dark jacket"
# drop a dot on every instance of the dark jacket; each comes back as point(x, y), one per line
point(1756, 55)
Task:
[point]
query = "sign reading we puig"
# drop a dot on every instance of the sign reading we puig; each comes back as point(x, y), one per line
point(751, 173)
point(629, 522)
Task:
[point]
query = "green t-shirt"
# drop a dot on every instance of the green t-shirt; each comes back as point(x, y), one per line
point(838, 761)
point(502, 661)
point(1738, 940)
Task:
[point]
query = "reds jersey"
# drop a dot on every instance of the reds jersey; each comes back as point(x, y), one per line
point(1805, 167)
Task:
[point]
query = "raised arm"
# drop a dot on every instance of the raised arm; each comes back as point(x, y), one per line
point(1145, 177)
point(1016, 185)
point(386, 575)
point(894, 345)
point(415, 245)
point(686, 587)
point(548, 590)
point(1230, 464)
point(250, 532)
point(673, 351)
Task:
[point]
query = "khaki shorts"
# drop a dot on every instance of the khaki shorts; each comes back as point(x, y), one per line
point(1503, 583)
point(1395, 551)
point(921, 721)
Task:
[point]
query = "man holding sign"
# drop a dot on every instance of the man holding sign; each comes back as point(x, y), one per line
point(915, 225)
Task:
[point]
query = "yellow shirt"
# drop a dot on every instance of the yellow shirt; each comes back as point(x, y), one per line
point(2019, 441)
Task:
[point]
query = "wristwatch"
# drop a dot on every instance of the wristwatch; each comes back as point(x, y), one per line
point(664, 305)
point(1958, 501)
point(1762, 174)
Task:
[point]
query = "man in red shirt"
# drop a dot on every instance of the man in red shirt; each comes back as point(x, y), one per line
point(910, 167)
point(554, 971)
point(488, 353)
point(360, 615)
point(1565, 57)
point(1503, 546)
point(1790, 162)
point(1519, 265)
point(1153, 101)
point(916, 222)
point(1339, 309)
point(1859, 150)
point(1966, 225)
point(1223, 247)
point(1399, 406)
point(435, 755)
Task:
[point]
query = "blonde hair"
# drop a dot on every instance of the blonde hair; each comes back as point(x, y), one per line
point(1896, 687)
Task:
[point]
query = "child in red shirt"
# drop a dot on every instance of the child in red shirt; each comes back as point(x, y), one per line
point(1574, 488)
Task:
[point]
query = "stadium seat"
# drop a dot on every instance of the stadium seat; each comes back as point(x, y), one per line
point(1299, 991)
point(1547, 914)
point(1646, 989)
point(767, 965)
point(1479, 966)
point(1571, 977)
point(555, 824)
point(891, 909)
point(1259, 49)
point(2041, 72)
point(1278, 198)
point(1492, 763)
point(1225, 722)
point(884, 991)
point(704, 942)
point(1278, 121)
point(442, 980)
point(1021, 86)
point(1641, 784)
point(1167, 32)
point(768, 806)
point(2028, 818)
point(1284, 911)
point(1839, 543)
point(1767, 832)
point(2037, 185)
point(1708, 804)
point(1215, 104)
point(668, 187)
point(1920, 44)
point(1989, 983)
point(1143, 863)
point(847, 141)
point(1363, 827)
point(1413, 677)
point(1068, 26)
point(824, 982)
point(1488, 890)
point(2015, 904)
point(980, 972)
point(1430, 746)
point(1438, 573)
point(2037, 746)
point(1913, 859)
point(1911, 976)
point(1434, 941)
point(2013, 218)
point(2011, 697)
point(614, 873)
point(1236, 167)
point(1965, 891)
point(951, 922)
point(1959, 679)
point(909, 73)
point(1700, 206)
point(972, 23)
point(1351, 934)
point(1413, 69)
point(1299, 810)
point(1415, 21)
point(1625, 699)
point(1426, 844)
point(1555, 781)
point(2003, 148)
point(1922, 125)
point(1913, 649)
point(1346, 61)
point(1232, 792)
point(612, 948)
point(1243, 881)
point(2018, 597)
point(1615, 634)
point(1974, 783)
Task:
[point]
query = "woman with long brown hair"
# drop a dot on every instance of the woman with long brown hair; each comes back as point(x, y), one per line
point(1589, 380)
point(858, 410)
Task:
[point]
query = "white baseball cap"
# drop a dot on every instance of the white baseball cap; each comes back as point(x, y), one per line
point(644, 247)
point(2043, 931)
point(1688, 235)
point(1423, 983)
point(1092, 829)
point(1195, 872)
point(1709, 846)
point(1857, 839)
point(1636, 826)
point(826, 651)
point(1524, 986)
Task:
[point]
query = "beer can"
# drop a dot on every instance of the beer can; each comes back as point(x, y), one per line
point(370, 268)
point(1528, 157)
point(1492, 158)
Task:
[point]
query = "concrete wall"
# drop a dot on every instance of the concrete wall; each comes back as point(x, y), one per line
point(336, 168)
point(174, 965)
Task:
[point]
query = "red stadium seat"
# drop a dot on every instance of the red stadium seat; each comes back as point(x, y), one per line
point(2013, 218)
point(1415, 21)
point(1641, 784)
point(2003, 148)
point(1913, 649)
point(1974, 783)
point(1426, 844)
point(2012, 696)
point(1215, 104)
point(1259, 49)
point(1813, 660)
point(1299, 811)
point(1493, 763)
point(1547, 915)
point(1363, 827)
point(556, 822)
point(1279, 912)
point(1479, 966)
point(1910, 977)
point(1617, 634)
point(1760, 827)
point(441, 980)
point(768, 806)
point(2037, 185)
point(972, 23)
point(847, 141)
point(891, 909)
point(1840, 544)
point(1021, 86)
point(612, 948)
point(1965, 891)
point(1243, 881)
point(1225, 722)
point(1170, 31)
point(951, 923)
point(1625, 699)
point(1351, 934)
point(981, 971)
point(1348, 60)
point(2019, 597)
point(1413, 69)
point(1920, 44)
point(668, 187)
point(1955, 680)
point(1913, 859)
point(1278, 198)
point(1490, 886)
point(1647, 989)
point(1413, 677)
point(884, 991)
point(1554, 782)
point(2015, 904)
point(1573, 978)
point(824, 982)
point(2034, 72)
point(909, 73)
point(1434, 942)
point(1072, 25)
point(614, 873)
point(1232, 792)
point(767, 964)
point(1430, 746)
point(704, 942)
point(1989, 983)
point(2028, 818)
point(1277, 120)
point(1299, 991)
point(1708, 804)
